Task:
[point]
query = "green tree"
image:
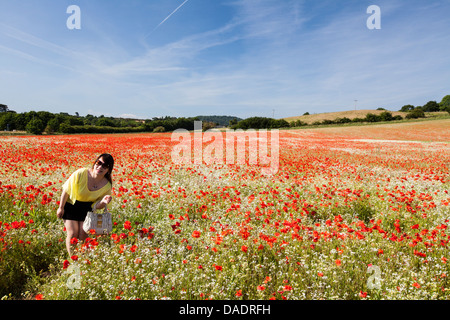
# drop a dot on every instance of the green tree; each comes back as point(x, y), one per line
point(7, 121)
point(159, 129)
point(52, 125)
point(386, 116)
point(35, 126)
point(444, 105)
point(370, 117)
point(431, 106)
point(65, 127)
point(105, 122)
point(342, 120)
point(261, 123)
point(416, 113)
point(20, 121)
point(407, 108)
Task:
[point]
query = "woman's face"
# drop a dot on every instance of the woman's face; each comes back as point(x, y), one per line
point(100, 168)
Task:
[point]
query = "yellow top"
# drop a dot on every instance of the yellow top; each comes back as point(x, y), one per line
point(77, 188)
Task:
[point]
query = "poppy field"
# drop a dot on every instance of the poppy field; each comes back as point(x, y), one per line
point(351, 213)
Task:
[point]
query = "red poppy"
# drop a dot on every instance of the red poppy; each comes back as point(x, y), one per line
point(66, 264)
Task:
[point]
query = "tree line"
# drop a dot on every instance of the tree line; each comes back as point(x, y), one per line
point(38, 122)
point(412, 112)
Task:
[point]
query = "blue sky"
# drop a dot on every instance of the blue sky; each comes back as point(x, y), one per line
point(281, 58)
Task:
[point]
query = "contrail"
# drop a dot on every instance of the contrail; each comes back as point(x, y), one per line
point(167, 18)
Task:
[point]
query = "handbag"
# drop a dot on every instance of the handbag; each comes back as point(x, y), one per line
point(101, 223)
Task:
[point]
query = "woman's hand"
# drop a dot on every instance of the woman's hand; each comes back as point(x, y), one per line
point(101, 204)
point(106, 199)
point(62, 203)
point(60, 212)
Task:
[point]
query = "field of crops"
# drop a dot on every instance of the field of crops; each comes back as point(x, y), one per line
point(361, 213)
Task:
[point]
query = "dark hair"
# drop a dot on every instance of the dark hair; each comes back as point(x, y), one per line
point(109, 160)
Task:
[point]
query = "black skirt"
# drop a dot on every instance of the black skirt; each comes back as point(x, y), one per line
point(77, 211)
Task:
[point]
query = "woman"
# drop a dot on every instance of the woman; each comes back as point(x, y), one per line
point(86, 188)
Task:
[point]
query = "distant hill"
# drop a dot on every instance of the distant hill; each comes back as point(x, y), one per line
point(311, 118)
point(220, 120)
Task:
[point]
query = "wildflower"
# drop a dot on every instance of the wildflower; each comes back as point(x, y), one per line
point(244, 248)
point(39, 297)
point(362, 294)
point(338, 262)
point(421, 254)
point(74, 257)
point(196, 234)
point(66, 264)
point(238, 293)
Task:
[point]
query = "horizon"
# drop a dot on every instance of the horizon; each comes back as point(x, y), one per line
point(242, 58)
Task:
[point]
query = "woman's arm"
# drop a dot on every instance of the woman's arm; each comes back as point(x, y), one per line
point(101, 204)
point(62, 203)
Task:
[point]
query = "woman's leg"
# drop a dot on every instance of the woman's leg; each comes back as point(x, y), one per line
point(81, 234)
point(72, 229)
